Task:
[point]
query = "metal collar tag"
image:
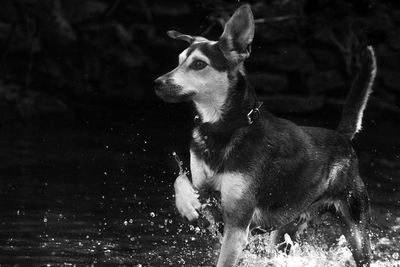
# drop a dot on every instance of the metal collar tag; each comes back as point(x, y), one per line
point(254, 114)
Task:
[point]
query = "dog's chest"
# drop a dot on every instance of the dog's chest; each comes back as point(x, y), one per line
point(200, 143)
point(224, 182)
point(213, 149)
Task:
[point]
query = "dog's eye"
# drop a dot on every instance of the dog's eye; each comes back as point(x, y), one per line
point(198, 65)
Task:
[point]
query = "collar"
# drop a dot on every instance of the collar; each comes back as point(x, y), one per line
point(253, 115)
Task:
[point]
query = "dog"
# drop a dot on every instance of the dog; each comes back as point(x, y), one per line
point(269, 171)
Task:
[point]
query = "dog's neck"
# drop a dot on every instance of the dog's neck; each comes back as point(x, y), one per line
point(210, 110)
point(229, 111)
point(215, 141)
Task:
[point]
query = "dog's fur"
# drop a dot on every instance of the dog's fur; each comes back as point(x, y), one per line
point(270, 172)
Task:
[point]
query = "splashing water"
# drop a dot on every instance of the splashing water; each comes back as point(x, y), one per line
point(84, 216)
point(260, 252)
point(319, 246)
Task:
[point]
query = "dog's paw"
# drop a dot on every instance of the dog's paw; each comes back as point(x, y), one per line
point(186, 198)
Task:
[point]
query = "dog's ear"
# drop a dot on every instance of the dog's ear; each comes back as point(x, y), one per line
point(185, 37)
point(238, 34)
point(180, 36)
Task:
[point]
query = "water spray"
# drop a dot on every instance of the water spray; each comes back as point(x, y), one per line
point(179, 162)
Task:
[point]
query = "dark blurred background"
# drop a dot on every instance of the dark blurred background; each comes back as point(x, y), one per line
point(86, 170)
point(65, 59)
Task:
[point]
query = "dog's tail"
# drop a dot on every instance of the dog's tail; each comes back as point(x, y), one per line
point(357, 98)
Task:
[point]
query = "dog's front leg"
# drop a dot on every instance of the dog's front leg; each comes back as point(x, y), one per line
point(186, 198)
point(186, 193)
point(238, 208)
point(233, 242)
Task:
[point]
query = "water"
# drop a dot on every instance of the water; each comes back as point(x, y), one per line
point(102, 194)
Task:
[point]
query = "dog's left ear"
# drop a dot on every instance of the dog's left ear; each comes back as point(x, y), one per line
point(238, 34)
point(185, 37)
point(180, 36)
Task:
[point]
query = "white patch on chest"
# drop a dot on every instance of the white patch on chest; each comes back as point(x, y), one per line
point(210, 110)
point(232, 184)
point(233, 187)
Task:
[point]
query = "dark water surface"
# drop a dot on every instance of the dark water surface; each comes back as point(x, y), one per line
point(102, 194)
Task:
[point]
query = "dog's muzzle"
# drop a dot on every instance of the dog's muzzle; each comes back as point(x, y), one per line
point(160, 83)
point(168, 91)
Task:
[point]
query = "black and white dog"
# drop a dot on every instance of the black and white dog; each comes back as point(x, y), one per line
point(269, 171)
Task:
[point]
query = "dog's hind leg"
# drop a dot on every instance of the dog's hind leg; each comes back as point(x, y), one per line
point(294, 228)
point(354, 215)
point(280, 241)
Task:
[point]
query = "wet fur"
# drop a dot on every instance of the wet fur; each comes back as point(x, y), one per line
point(272, 173)
point(288, 170)
point(289, 167)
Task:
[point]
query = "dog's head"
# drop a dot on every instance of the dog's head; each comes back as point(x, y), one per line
point(207, 68)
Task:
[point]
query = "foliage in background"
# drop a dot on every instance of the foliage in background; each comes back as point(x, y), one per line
point(59, 56)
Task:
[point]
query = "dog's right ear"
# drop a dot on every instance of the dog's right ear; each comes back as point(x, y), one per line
point(238, 34)
point(180, 36)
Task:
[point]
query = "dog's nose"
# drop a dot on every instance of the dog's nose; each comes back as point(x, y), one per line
point(160, 81)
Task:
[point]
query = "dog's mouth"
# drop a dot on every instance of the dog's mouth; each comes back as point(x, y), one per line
point(172, 93)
